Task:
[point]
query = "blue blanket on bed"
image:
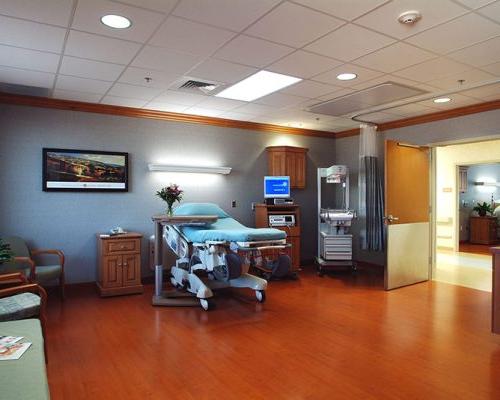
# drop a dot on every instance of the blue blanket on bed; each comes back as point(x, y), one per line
point(225, 229)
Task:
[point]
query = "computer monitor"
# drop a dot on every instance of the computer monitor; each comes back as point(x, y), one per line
point(276, 187)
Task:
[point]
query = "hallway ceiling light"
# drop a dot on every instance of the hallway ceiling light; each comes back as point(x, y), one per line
point(258, 85)
point(442, 100)
point(116, 21)
point(347, 76)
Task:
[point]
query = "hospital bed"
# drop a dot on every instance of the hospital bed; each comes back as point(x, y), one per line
point(213, 255)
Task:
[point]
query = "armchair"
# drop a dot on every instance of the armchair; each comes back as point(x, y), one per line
point(23, 300)
point(24, 261)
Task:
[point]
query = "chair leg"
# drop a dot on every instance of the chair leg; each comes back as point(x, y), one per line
point(61, 286)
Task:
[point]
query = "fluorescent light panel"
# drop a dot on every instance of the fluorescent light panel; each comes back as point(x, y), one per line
point(258, 85)
point(192, 169)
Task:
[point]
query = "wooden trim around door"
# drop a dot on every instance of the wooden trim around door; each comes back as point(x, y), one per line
point(46, 102)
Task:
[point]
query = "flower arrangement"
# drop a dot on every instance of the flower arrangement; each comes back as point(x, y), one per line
point(5, 252)
point(483, 209)
point(170, 194)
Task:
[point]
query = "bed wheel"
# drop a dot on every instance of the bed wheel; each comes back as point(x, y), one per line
point(261, 295)
point(207, 304)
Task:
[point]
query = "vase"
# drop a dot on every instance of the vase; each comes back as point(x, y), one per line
point(170, 210)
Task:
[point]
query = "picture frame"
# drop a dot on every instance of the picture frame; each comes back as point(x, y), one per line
point(75, 170)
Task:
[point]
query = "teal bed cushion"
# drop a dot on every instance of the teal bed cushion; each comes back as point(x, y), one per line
point(200, 209)
point(230, 230)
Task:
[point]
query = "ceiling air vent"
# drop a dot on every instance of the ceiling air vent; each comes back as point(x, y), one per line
point(194, 85)
point(375, 96)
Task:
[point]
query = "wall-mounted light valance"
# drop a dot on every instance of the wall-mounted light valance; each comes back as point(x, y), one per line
point(189, 169)
point(487, 184)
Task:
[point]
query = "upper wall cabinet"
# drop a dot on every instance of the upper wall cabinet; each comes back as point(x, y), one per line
point(288, 161)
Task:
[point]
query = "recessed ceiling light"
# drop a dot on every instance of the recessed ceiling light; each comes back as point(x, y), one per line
point(442, 100)
point(116, 21)
point(257, 85)
point(346, 76)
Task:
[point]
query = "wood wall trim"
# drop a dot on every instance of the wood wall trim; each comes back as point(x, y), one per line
point(423, 119)
point(45, 102)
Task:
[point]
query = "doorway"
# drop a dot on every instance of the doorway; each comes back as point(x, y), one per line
point(465, 175)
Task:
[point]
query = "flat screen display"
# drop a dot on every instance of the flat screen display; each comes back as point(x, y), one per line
point(276, 187)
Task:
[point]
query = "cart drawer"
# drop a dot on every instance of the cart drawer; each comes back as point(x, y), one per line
point(338, 248)
point(338, 241)
point(329, 255)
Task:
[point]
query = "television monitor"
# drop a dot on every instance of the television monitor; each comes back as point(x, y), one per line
point(276, 187)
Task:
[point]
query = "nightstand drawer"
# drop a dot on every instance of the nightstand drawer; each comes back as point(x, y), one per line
point(120, 246)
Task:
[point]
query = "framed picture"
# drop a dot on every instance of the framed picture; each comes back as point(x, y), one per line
point(84, 170)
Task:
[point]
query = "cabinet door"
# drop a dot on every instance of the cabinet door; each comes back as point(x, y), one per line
point(291, 169)
point(300, 170)
point(294, 251)
point(277, 163)
point(131, 269)
point(112, 271)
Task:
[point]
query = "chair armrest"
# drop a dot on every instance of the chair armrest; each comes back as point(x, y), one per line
point(58, 253)
point(33, 288)
point(19, 276)
point(27, 260)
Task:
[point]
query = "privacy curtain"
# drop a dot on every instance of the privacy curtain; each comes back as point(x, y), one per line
point(371, 199)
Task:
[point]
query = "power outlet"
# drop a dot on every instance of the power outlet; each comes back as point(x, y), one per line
point(233, 203)
point(253, 206)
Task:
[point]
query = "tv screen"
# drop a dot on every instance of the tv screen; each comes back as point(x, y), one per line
point(276, 187)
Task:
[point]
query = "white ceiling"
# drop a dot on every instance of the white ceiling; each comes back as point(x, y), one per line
point(61, 45)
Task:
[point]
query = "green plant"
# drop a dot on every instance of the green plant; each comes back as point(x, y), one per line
point(483, 209)
point(170, 194)
point(5, 252)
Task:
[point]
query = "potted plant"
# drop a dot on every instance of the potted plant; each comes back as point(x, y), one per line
point(483, 209)
point(5, 252)
point(170, 194)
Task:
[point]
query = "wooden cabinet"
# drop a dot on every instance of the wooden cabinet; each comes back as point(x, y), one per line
point(288, 161)
point(262, 213)
point(483, 230)
point(119, 264)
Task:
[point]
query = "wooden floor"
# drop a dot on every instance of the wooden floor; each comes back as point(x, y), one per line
point(466, 247)
point(337, 337)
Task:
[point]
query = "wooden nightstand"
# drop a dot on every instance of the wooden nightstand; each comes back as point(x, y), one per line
point(483, 230)
point(119, 264)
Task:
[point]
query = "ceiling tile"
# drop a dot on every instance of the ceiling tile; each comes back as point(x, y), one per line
point(492, 11)
point(250, 51)
point(55, 12)
point(123, 101)
point(25, 77)
point(237, 116)
point(411, 109)
point(86, 45)
point(280, 100)
point(28, 59)
point(31, 35)
point(432, 70)
point(84, 68)
point(190, 37)
point(222, 71)
point(480, 54)
point(474, 3)
point(362, 73)
point(335, 95)
point(219, 103)
point(310, 89)
point(164, 6)
point(383, 79)
point(165, 60)
point(161, 106)
point(88, 18)
point(188, 99)
point(280, 25)
point(490, 91)
point(303, 64)
point(397, 56)
point(159, 79)
point(380, 117)
point(457, 100)
point(76, 96)
point(65, 82)
point(492, 69)
point(349, 42)
point(134, 92)
point(461, 32)
point(470, 77)
point(207, 112)
point(230, 14)
point(255, 109)
point(346, 9)
point(385, 18)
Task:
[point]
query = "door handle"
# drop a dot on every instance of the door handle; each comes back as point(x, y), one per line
point(390, 218)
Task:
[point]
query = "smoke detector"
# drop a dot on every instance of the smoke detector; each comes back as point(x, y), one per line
point(409, 17)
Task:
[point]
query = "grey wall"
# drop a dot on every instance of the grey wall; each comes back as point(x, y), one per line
point(70, 221)
point(471, 127)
